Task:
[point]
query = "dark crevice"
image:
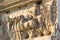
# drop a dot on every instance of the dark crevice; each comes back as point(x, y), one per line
point(39, 2)
point(7, 12)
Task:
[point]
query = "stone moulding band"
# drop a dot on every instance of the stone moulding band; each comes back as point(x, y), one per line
point(17, 4)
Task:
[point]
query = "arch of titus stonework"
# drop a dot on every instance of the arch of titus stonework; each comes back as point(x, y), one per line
point(28, 20)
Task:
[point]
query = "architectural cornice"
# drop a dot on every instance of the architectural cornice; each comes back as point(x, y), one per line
point(17, 4)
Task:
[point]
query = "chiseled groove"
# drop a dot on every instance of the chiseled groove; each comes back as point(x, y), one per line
point(15, 5)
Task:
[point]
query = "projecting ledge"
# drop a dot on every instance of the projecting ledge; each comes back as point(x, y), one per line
point(41, 38)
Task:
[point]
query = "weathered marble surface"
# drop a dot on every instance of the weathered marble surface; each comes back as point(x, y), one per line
point(41, 38)
point(31, 22)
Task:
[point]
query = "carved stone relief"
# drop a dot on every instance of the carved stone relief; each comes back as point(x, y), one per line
point(30, 21)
